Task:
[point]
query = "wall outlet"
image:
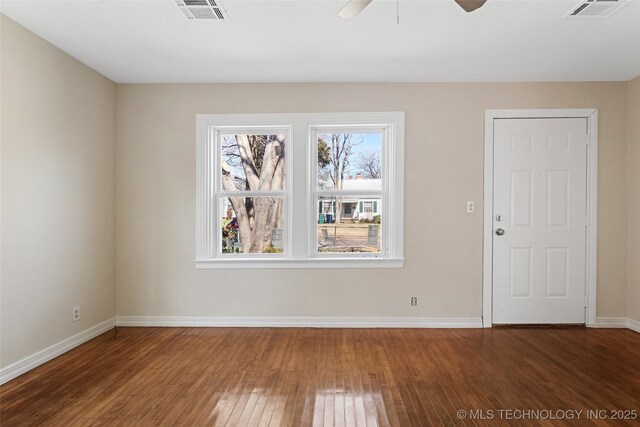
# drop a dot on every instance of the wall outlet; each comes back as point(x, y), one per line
point(414, 301)
point(76, 314)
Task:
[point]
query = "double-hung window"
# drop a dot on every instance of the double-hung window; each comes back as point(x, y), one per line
point(251, 191)
point(349, 175)
point(299, 190)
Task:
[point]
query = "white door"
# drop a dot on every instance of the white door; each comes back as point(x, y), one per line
point(539, 220)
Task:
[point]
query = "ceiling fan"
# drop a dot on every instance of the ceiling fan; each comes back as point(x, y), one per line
point(355, 7)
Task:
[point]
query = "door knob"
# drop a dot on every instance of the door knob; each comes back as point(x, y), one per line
point(499, 232)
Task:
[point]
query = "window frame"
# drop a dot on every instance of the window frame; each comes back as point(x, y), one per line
point(332, 208)
point(299, 226)
point(364, 208)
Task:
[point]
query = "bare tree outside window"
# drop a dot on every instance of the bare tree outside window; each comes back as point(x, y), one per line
point(335, 154)
point(370, 164)
point(254, 163)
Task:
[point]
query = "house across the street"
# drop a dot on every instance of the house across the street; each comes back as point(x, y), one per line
point(353, 208)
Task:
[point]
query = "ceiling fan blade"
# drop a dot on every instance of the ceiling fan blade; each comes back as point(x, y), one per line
point(470, 5)
point(353, 8)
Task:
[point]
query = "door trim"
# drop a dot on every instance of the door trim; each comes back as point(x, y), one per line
point(591, 114)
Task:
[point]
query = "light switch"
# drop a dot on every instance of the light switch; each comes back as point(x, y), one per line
point(471, 207)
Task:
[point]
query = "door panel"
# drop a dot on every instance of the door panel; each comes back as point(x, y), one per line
point(540, 197)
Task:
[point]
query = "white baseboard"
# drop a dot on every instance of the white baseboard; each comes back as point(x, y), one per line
point(28, 363)
point(20, 367)
point(617, 322)
point(303, 322)
point(611, 322)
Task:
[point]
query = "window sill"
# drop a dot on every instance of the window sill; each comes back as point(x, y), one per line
point(300, 263)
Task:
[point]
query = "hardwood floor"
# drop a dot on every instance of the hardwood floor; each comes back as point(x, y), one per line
point(332, 377)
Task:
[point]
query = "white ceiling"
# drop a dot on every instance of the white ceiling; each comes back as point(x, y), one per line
point(306, 41)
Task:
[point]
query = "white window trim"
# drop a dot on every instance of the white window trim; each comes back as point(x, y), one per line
point(302, 208)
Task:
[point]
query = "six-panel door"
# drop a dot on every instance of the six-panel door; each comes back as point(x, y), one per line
point(539, 221)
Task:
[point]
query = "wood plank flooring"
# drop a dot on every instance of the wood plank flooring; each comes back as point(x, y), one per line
point(332, 377)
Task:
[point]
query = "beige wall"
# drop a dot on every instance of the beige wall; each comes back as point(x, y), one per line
point(58, 194)
point(633, 173)
point(444, 168)
point(60, 209)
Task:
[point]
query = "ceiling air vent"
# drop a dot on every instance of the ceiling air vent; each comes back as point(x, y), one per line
point(198, 10)
point(596, 8)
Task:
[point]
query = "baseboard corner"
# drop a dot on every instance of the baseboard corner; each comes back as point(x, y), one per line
point(30, 362)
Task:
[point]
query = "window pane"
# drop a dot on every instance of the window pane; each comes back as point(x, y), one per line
point(350, 161)
point(252, 225)
point(252, 162)
point(346, 228)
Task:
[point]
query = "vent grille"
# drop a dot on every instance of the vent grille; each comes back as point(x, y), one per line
point(199, 10)
point(596, 8)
